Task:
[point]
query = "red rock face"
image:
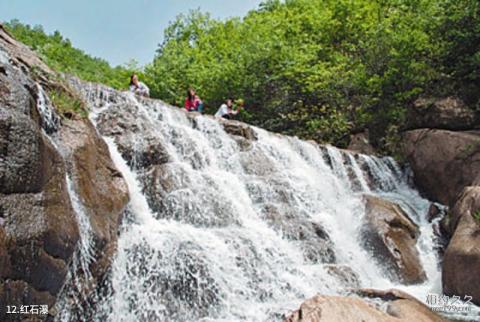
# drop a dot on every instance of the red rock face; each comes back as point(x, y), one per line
point(444, 162)
point(400, 308)
point(38, 227)
point(392, 237)
point(39, 231)
point(462, 258)
point(446, 165)
point(102, 188)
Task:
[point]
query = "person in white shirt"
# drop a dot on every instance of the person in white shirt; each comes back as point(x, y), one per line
point(138, 87)
point(226, 111)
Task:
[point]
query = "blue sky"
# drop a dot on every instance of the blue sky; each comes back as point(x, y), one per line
point(116, 30)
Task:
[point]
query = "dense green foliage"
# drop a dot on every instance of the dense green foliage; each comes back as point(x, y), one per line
point(321, 69)
point(60, 55)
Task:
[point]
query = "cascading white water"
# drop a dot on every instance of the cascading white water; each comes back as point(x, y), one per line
point(218, 246)
point(50, 120)
point(77, 280)
point(74, 291)
point(4, 59)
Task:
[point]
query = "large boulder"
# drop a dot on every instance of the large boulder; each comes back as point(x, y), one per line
point(38, 225)
point(462, 258)
point(400, 307)
point(444, 162)
point(446, 165)
point(391, 236)
point(448, 113)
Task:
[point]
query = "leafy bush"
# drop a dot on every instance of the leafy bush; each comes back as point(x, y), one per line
point(476, 215)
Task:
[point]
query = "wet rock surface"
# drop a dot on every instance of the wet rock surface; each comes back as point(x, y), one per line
point(166, 186)
point(391, 236)
point(462, 258)
point(345, 274)
point(435, 211)
point(102, 188)
point(312, 238)
point(39, 231)
point(239, 129)
point(123, 122)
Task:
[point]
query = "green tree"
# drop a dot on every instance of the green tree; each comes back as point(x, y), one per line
point(322, 68)
point(60, 55)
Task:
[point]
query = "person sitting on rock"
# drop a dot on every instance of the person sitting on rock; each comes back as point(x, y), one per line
point(193, 103)
point(226, 110)
point(138, 87)
point(239, 105)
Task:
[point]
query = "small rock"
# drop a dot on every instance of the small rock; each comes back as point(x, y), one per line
point(360, 143)
point(345, 274)
point(239, 129)
point(434, 211)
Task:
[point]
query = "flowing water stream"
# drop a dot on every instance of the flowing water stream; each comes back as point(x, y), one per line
point(229, 231)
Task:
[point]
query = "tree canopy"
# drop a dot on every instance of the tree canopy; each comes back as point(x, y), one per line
point(318, 69)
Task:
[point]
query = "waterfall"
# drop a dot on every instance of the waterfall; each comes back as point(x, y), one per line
point(50, 120)
point(79, 275)
point(77, 280)
point(221, 231)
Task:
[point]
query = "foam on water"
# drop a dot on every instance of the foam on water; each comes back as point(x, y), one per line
point(4, 59)
point(50, 120)
point(74, 291)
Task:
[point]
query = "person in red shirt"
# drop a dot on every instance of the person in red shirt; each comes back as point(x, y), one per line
point(193, 103)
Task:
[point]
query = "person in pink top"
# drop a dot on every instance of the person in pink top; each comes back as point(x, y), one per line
point(193, 103)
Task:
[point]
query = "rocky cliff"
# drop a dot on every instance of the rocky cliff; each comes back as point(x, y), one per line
point(443, 147)
point(44, 158)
